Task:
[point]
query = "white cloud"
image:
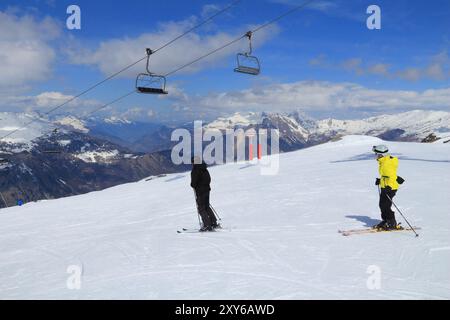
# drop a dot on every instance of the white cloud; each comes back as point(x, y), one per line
point(435, 71)
point(379, 69)
point(353, 65)
point(50, 99)
point(343, 9)
point(320, 5)
point(410, 74)
point(437, 67)
point(209, 9)
point(176, 94)
point(319, 61)
point(316, 96)
point(45, 101)
point(25, 51)
point(112, 55)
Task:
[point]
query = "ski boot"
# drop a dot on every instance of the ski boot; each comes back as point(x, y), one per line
point(392, 225)
point(216, 226)
point(381, 226)
point(206, 229)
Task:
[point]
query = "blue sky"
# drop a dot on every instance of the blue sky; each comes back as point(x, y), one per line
point(322, 60)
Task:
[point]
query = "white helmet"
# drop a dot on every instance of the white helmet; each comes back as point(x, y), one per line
point(381, 148)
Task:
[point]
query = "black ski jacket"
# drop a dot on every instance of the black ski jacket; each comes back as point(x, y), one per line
point(200, 178)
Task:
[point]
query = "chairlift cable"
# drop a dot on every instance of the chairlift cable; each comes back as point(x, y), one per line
point(200, 58)
point(204, 56)
point(301, 6)
point(212, 52)
point(215, 50)
point(74, 97)
point(102, 107)
point(125, 68)
point(199, 25)
point(111, 102)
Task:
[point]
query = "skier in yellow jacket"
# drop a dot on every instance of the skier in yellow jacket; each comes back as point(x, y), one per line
point(388, 183)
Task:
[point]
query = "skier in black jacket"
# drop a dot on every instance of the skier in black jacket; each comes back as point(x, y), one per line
point(200, 181)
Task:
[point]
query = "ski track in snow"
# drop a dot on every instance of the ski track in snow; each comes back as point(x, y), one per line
point(279, 241)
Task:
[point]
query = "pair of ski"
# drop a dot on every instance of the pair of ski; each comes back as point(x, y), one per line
point(186, 230)
point(343, 232)
point(372, 230)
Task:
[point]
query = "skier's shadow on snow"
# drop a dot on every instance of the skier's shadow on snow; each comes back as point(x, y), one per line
point(247, 166)
point(369, 222)
point(360, 157)
point(424, 160)
point(178, 177)
point(370, 156)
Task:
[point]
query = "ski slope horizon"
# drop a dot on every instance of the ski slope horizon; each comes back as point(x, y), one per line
point(280, 238)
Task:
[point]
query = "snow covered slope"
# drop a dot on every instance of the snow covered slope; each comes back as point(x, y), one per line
point(280, 238)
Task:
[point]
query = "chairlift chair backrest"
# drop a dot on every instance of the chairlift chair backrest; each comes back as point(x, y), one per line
point(246, 63)
point(145, 81)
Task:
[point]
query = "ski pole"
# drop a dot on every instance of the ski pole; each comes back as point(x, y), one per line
point(402, 215)
point(198, 213)
point(215, 212)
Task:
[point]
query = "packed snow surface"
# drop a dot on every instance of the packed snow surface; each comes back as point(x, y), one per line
point(279, 241)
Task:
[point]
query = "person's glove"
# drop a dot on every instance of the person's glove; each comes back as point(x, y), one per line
point(377, 181)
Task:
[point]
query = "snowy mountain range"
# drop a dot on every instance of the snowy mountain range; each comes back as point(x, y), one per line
point(296, 128)
point(39, 162)
point(409, 126)
point(52, 159)
point(279, 239)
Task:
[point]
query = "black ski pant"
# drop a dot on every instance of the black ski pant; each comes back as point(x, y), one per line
point(204, 209)
point(386, 196)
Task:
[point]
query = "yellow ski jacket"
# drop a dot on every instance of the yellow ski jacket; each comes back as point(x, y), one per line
point(388, 172)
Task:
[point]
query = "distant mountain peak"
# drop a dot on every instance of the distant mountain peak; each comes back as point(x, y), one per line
point(413, 125)
point(236, 120)
point(117, 120)
point(75, 123)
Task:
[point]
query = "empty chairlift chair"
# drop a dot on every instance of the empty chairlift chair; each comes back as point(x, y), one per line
point(149, 82)
point(246, 63)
